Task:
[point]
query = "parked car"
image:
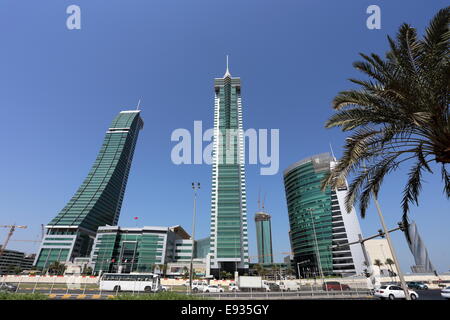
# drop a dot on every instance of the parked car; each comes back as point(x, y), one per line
point(334, 285)
point(199, 285)
point(7, 287)
point(394, 292)
point(445, 293)
point(417, 285)
point(273, 287)
point(213, 288)
point(233, 287)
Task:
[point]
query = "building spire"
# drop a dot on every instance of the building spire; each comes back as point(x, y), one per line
point(332, 153)
point(227, 73)
point(138, 107)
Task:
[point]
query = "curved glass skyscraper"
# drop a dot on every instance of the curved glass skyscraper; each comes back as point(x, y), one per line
point(98, 200)
point(318, 219)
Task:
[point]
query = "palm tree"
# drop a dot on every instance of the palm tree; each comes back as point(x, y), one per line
point(159, 268)
point(366, 272)
point(378, 263)
point(87, 271)
point(56, 268)
point(400, 114)
point(164, 269)
point(258, 269)
point(274, 270)
point(389, 262)
point(186, 272)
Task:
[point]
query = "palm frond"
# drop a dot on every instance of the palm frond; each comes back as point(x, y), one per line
point(399, 113)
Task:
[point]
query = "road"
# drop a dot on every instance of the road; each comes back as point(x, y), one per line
point(434, 294)
point(94, 293)
point(431, 294)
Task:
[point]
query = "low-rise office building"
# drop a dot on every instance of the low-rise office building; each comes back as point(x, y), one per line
point(165, 250)
point(12, 261)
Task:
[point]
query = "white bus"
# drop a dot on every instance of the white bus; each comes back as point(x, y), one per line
point(147, 282)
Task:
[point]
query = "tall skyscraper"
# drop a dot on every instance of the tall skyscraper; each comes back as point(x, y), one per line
point(264, 237)
point(98, 200)
point(229, 240)
point(318, 219)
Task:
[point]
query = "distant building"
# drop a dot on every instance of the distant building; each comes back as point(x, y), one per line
point(98, 200)
point(318, 220)
point(147, 249)
point(378, 249)
point(419, 251)
point(264, 237)
point(12, 260)
point(28, 261)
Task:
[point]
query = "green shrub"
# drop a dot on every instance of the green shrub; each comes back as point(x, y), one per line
point(22, 296)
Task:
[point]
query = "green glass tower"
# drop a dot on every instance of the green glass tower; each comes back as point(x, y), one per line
point(99, 198)
point(318, 219)
point(228, 237)
point(264, 237)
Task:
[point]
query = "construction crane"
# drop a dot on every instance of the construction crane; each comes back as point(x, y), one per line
point(42, 236)
point(11, 228)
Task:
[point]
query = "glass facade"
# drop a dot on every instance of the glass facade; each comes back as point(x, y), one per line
point(147, 249)
point(313, 222)
point(319, 221)
point(201, 248)
point(128, 251)
point(228, 237)
point(98, 200)
point(264, 237)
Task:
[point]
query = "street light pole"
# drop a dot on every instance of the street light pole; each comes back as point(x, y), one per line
point(391, 247)
point(195, 187)
point(317, 245)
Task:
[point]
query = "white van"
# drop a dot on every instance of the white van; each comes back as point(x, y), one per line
point(289, 286)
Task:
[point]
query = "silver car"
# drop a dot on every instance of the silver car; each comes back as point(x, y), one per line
point(445, 293)
point(7, 287)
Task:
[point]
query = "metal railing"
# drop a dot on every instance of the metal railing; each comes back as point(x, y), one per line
point(83, 286)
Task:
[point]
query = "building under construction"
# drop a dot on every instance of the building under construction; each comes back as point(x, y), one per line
point(12, 261)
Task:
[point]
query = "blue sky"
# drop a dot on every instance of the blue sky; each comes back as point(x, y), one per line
point(60, 89)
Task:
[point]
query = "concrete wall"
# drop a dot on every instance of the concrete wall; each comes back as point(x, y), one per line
point(49, 279)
